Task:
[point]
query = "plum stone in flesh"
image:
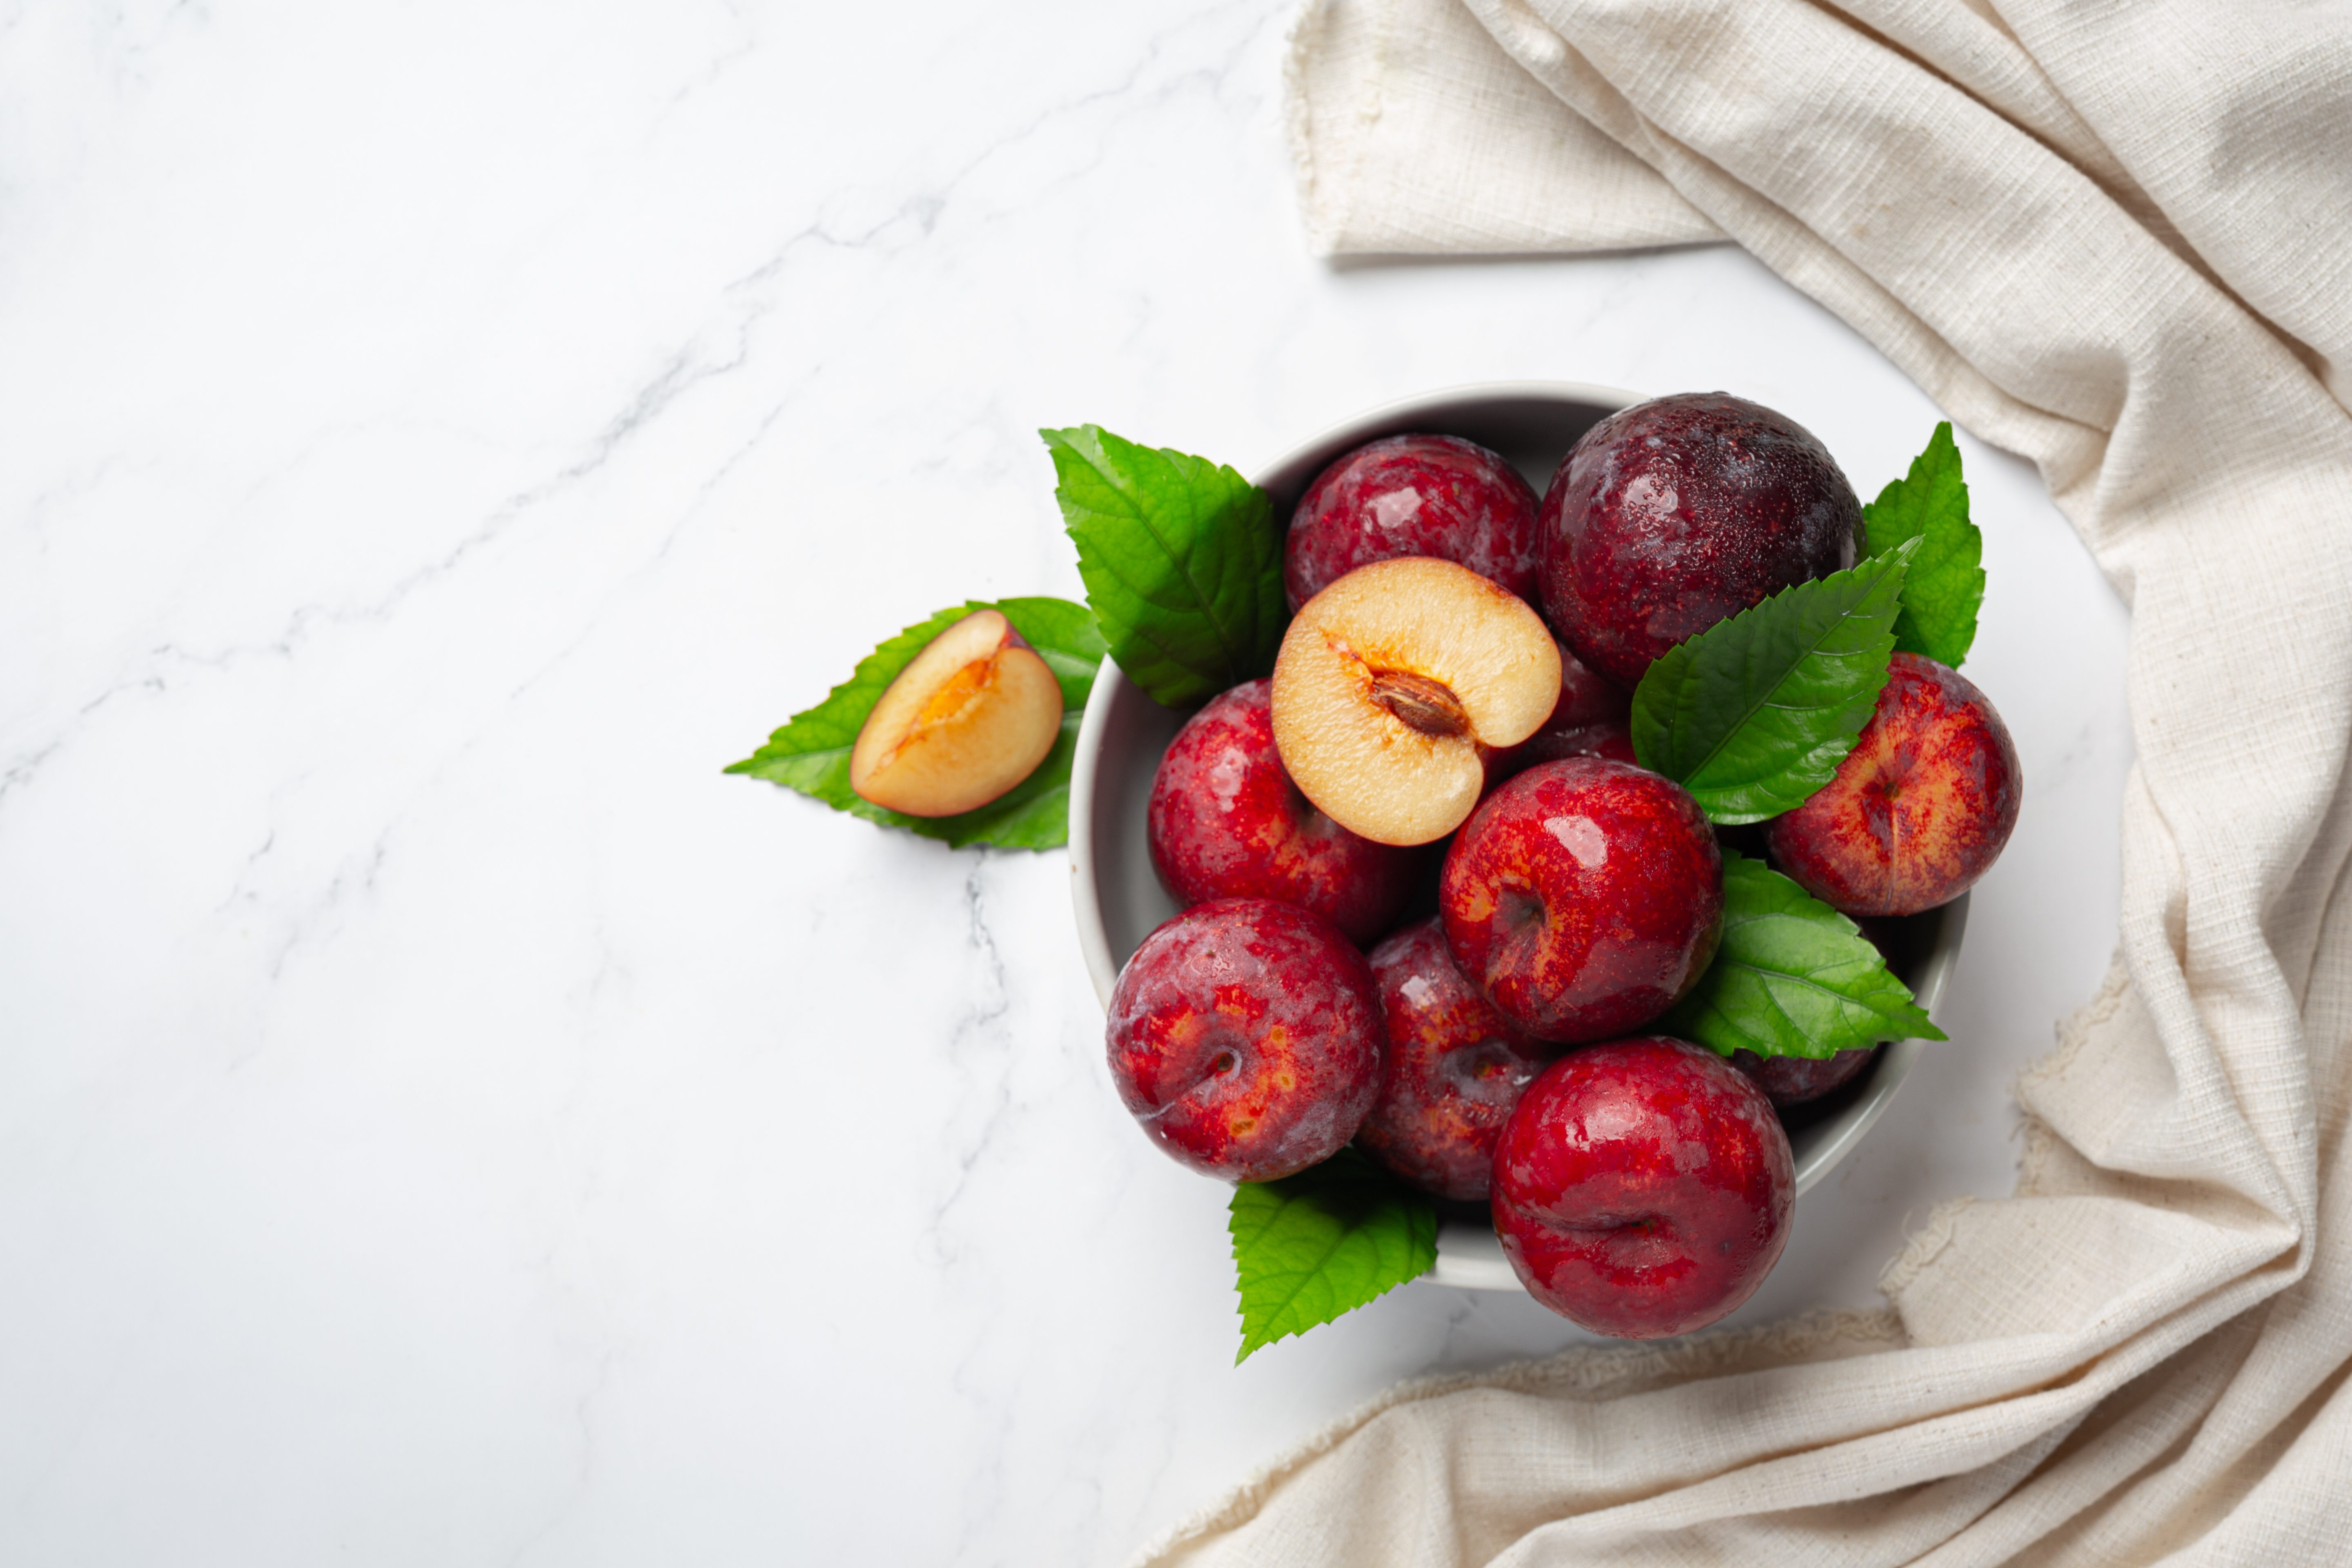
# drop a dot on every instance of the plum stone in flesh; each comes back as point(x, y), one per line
point(1678, 513)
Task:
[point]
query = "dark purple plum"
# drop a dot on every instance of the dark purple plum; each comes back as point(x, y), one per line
point(1793, 1080)
point(1677, 513)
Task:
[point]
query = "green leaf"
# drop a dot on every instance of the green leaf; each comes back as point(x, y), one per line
point(1181, 560)
point(1756, 712)
point(1792, 977)
point(1323, 1242)
point(811, 752)
point(1944, 586)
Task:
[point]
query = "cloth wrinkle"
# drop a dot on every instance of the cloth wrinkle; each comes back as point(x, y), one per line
point(2116, 239)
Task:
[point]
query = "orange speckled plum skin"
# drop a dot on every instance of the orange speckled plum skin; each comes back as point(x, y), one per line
point(1225, 822)
point(1919, 809)
point(1451, 1069)
point(1673, 514)
point(1414, 495)
point(1642, 1188)
point(1584, 896)
point(1245, 1038)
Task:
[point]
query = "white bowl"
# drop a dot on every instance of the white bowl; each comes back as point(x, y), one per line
point(1119, 896)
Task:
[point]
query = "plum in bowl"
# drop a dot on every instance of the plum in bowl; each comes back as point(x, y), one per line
point(1120, 898)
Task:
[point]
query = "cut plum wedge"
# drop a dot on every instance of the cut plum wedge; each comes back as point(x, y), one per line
point(969, 717)
point(1390, 683)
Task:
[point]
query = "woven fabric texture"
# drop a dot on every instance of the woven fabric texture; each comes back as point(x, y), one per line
point(2116, 238)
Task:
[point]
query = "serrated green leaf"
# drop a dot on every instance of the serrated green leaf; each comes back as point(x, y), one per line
point(811, 752)
point(1944, 586)
point(1754, 713)
point(1181, 560)
point(1311, 1246)
point(1792, 977)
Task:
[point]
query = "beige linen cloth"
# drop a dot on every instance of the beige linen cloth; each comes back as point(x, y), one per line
point(2116, 238)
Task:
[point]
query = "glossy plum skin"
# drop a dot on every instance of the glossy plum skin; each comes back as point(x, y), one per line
point(1589, 721)
point(1642, 1188)
point(1584, 896)
point(1451, 1069)
point(1245, 1036)
point(1919, 809)
point(1606, 737)
point(1795, 1081)
point(1414, 495)
point(1224, 821)
point(1673, 514)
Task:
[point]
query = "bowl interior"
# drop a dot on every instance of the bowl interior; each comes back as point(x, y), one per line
point(1118, 898)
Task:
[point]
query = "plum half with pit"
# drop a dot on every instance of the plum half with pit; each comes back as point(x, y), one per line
point(1678, 513)
point(1393, 686)
point(1414, 495)
point(1244, 1037)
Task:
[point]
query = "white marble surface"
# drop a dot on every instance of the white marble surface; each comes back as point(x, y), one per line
point(441, 1119)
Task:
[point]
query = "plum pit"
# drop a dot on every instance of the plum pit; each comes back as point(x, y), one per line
point(1425, 706)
